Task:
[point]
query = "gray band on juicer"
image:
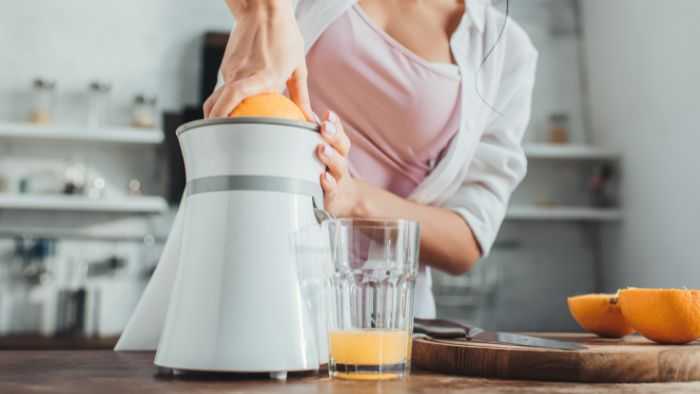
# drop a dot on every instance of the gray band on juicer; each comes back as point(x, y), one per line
point(223, 183)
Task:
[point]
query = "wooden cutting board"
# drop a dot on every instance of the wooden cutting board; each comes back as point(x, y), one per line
point(631, 359)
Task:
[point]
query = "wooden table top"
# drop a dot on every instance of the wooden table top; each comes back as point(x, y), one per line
point(105, 372)
point(40, 342)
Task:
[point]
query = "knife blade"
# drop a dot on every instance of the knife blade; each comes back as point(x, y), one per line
point(446, 329)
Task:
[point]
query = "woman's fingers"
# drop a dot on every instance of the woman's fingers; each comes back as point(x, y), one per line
point(236, 6)
point(211, 100)
point(336, 164)
point(328, 183)
point(299, 91)
point(232, 93)
point(333, 153)
point(332, 131)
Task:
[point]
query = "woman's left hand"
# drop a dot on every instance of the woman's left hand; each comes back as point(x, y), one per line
point(341, 191)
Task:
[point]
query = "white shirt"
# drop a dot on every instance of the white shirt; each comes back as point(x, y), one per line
point(485, 160)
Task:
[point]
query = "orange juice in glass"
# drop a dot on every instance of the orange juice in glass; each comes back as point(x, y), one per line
point(371, 291)
point(369, 354)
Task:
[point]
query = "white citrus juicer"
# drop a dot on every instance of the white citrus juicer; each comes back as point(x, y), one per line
point(225, 294)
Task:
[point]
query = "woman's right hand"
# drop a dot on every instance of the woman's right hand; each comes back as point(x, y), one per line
point(265, 51)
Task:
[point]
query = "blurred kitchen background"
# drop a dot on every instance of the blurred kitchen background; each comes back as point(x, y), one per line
point(90, 174)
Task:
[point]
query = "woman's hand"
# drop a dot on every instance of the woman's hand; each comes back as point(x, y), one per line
point(264, 51)
point(342, 193)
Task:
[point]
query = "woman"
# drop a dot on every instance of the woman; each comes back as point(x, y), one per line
point(425, 105)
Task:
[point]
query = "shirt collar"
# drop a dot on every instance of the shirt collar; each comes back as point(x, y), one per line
point(476, 11)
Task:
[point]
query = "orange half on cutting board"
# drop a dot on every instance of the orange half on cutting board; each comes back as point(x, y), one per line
point(600, 314)
point(669, 316)
point(269, 105)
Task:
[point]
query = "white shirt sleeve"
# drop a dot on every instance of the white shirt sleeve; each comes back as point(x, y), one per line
point(499, 162)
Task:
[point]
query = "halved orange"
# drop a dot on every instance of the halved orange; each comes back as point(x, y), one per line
point(599, 314)
point(669, 316)
point(270, 105)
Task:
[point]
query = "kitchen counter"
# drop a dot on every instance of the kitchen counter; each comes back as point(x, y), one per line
point(105, 372)
point(40, 342)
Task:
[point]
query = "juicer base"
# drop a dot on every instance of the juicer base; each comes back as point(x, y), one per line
point(280, 375)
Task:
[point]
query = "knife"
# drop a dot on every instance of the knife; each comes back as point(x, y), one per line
point(445, 329)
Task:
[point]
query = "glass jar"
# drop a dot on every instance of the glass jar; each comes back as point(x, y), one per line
point(4, 183)
point(559, 128)
point(98, 101)
point(42, 101)
point(134, 187)
point(601, 188)
point(95, 188)
point(143, 111)
point(74, 177)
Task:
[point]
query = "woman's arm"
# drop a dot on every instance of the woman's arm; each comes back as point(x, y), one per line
point(264, 52)
point(447, 242)
point(499, 163)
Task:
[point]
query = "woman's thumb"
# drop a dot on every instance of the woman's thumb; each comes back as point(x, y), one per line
point(299, 91)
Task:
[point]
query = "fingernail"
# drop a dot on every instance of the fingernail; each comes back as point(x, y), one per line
point(329, 177)
point(327, 150)
point(330, 128)
point(316, 118)
point(332, 116)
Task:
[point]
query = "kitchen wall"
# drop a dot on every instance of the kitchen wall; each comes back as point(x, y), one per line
point(644, 68)
point(148, 47)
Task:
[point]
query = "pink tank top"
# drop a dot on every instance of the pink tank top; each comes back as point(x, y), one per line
point(399, 110)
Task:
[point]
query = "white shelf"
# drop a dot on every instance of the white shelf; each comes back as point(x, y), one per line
point(132, 204)
point(78, 234)
point(533, 212)
point(128, 135)
point(569, 151)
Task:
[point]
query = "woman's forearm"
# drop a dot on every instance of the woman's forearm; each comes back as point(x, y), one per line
point(264, 53)
point(447, 242)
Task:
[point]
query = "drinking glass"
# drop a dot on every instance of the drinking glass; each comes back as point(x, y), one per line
point(371, 294)
point(356, 278)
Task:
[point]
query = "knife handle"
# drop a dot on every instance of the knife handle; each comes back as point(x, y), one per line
point(440, 329)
